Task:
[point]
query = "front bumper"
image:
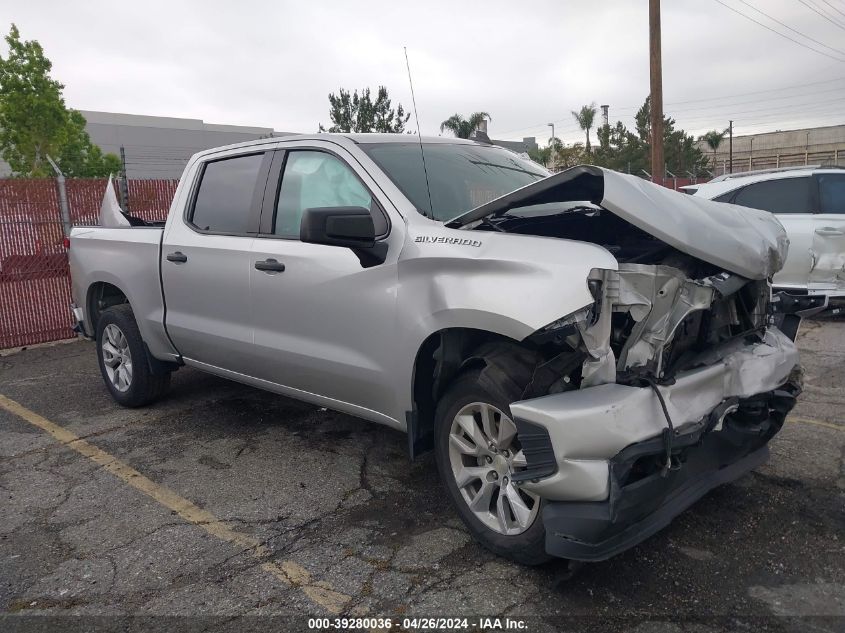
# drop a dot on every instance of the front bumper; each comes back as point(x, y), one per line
point(598, 455)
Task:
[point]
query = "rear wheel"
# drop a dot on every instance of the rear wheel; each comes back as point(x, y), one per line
point(477, 451)
point(123, 359)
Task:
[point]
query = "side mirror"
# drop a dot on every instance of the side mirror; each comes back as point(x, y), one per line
point(351, 227)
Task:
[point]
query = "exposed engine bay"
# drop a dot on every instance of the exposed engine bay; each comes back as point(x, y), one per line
point(691, 276)
point(654, 316)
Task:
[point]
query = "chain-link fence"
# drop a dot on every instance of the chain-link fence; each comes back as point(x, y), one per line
point(34, 276)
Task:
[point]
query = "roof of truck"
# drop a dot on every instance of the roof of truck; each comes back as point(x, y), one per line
point(358, 139)
point(399, 138)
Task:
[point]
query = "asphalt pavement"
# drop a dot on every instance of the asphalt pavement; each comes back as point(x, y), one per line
point(223, 501)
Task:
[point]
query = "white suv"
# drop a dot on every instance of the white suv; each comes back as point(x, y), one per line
point(810, 203)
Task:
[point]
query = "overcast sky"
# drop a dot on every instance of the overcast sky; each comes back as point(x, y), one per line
point(527, 63)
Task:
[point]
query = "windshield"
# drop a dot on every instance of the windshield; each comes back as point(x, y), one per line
point(461, 177)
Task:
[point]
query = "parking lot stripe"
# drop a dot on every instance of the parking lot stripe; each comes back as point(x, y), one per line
point(289, 572)
point(827, 425)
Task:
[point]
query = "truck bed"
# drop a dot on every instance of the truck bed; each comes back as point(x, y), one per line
point(129, 259)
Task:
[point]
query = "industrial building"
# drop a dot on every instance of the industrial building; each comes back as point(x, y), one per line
point(808, 146)
point(159, 147)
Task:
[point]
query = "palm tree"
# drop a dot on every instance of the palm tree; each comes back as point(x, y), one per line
point(713, 138)
point(585, 118)
point(461, 127)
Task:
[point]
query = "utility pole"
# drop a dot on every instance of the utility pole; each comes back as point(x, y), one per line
point(751, 155)
point(657, 164)
point(807, 150)
point(124, 186)
point(731, 147)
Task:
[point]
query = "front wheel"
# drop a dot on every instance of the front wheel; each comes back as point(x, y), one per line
point(123, 360)
point(477, 452)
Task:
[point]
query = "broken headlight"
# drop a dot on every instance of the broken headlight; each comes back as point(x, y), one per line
point(557, 331)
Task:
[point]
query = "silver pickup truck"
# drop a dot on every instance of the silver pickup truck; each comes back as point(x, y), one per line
point(586, 353)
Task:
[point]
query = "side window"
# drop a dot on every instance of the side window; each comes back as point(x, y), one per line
point(224, 199)
point(832, 193)
point(784, 195)
point(314, 179)
point(725, 197)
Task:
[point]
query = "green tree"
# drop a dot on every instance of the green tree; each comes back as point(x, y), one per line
point(620, 149)
point(623, 150)
point(541, 155)
point(34, 121)
point(350, 112)
point(545, 155)
point(556, 155)
point(679, 150)
point(713, 139)
point(585, 118)
point(79, 157)
point(463, 128)
point(565, 157)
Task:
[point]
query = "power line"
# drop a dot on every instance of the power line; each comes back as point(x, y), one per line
point(741, 94)
point(724, 106)
point(757, 92)
point(797, 32)
point(710, 112)
point(783, 35)
point(842, 13)
point(815, 120)
point(777, 111)
point(825, 13)
point(835, 118)
point(831, 112)
point(815, 9)
point(766, 127)
point(538, 126)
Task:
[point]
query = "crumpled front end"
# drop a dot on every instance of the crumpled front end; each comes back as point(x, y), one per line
point(682, 382)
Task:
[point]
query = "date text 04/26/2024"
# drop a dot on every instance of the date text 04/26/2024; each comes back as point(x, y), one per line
point(419, 624)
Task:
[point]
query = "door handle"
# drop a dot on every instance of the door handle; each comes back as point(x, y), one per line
point(178, 257)
point(829, 231)
point(270, 266)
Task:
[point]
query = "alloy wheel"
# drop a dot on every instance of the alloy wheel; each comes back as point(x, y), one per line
point(117, 359)
point(484, 453)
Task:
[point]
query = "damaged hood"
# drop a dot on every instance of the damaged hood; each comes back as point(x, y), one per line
point(744, 241)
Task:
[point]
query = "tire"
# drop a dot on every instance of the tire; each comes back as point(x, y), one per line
point(123, 363)
point(524, 544)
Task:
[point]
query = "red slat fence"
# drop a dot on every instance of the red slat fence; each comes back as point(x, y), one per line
point(34, 275)
point(677, 183)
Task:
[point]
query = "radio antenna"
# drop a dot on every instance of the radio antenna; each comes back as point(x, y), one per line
point(419, 135)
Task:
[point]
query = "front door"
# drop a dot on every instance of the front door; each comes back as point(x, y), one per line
point(324, 325)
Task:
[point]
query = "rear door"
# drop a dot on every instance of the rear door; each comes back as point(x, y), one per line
point(325, 324)
point(828, 274)
point(792, 201)
point(206, 257)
